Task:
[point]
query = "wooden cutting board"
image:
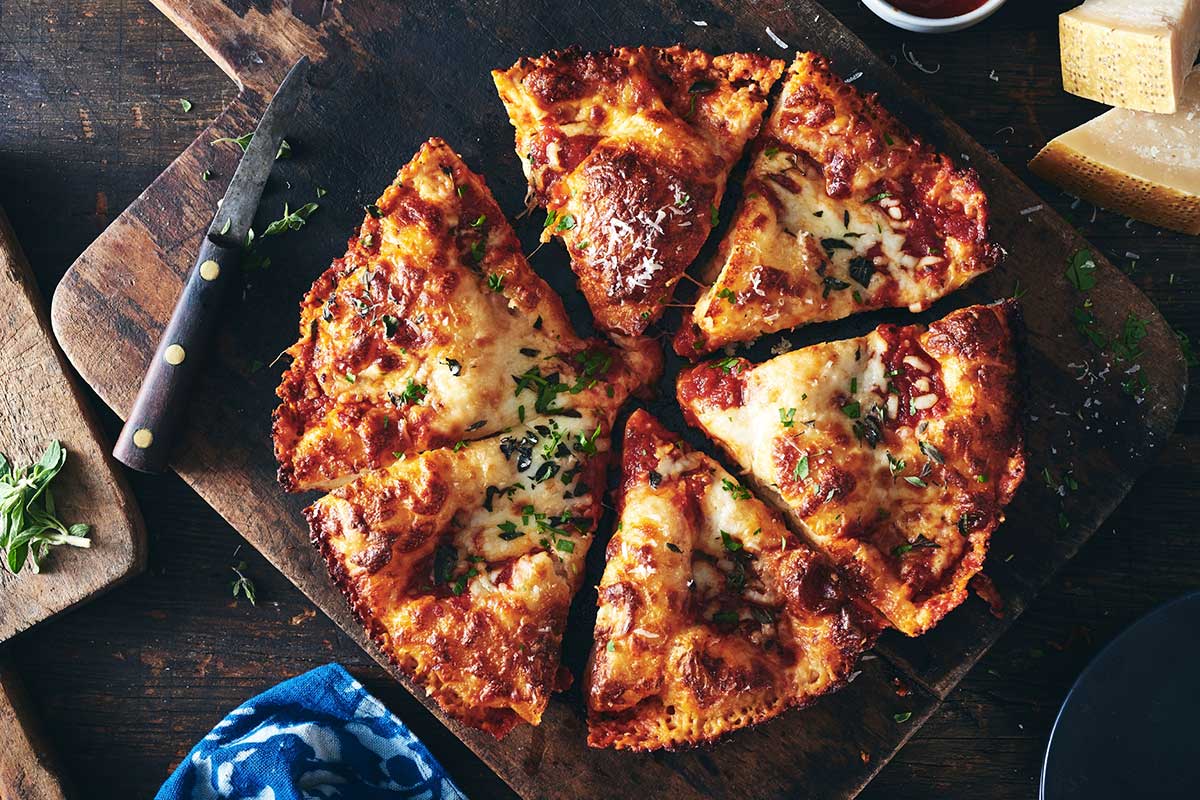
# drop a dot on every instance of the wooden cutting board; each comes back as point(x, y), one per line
point(387, 76)
point(40, 402)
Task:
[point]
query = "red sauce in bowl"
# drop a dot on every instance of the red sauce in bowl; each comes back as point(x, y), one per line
point(937, 9)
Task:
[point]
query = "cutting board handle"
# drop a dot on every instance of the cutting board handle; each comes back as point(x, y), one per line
point(145, 441)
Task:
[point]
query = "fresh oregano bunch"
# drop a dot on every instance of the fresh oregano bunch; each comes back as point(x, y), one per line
point(30, 524)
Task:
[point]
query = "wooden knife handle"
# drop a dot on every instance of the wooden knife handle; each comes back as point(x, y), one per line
point(145, 441)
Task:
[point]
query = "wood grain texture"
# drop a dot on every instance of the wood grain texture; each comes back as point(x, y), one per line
point(226, 461)
point(127, 684)
point(29, 770)
point(40, 404)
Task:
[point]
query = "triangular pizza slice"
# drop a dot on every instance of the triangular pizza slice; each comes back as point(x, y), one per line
point(629, 151)
point(843, 210)
point(895, 452)
point(712, 616)
point(461, 562)
point(432, 329)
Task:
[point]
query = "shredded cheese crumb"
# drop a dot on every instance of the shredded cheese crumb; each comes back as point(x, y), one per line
point(776, 39)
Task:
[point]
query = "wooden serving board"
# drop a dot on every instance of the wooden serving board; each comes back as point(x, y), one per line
point(387, 76)
point(39, 403)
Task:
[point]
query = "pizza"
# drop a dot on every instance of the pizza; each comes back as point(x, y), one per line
point(629, 151)
point(432, 329)
point(713, 616)
point(843, 210)
point(461, 562)
point(895, 453)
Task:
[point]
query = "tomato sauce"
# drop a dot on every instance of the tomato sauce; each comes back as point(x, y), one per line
point(901, 342)
point(937, 9)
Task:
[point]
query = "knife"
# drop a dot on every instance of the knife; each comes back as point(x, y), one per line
point(145, 441)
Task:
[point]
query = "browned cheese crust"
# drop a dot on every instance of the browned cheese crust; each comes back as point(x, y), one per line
point(843, 210)
point(413, 339)
point(712, 615)
point(461, 563)
point(895, 453)
point(629, 151)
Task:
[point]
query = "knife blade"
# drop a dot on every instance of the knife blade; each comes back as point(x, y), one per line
point(145, 440)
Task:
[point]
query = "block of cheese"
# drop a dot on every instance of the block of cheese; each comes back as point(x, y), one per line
point(1146, 166)
point(1130, 53)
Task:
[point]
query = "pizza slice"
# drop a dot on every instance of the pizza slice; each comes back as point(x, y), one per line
point(713, 615)
point(629, 151)
point(432, 329)
point(461, 562)
point(843, 210)
point(895, 452)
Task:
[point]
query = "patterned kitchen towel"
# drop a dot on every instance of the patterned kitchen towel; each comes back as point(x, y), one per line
point(318, 736)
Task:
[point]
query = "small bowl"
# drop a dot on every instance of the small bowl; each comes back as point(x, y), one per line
point(912, 22)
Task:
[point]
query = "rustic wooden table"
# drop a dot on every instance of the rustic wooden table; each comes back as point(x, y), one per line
point(90, 113)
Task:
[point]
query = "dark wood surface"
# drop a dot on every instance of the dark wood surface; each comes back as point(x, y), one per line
point(376, 92)
point(48, 405)
point(152, 667)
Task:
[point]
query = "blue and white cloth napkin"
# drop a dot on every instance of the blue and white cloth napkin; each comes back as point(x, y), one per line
point(318, 736)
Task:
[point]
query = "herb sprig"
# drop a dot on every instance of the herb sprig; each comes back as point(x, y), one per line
point(30, 522)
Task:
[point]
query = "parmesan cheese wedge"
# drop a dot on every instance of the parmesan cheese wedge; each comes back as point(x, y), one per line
point(1130, 53)
point(1146, 166)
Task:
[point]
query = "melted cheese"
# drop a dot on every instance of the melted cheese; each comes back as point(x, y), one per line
point(629, 151)
point(843, 211)
point(895, 452)
point(712, 615)
point(1144, 165)
point(420, 335)
point(1130, 53)
point(462, 562)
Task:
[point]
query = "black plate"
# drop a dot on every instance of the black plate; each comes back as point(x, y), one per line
point(1130, 726)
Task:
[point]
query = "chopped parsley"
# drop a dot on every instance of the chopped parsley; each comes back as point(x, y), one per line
point(390, 324)
point(931, 452)
point(832, 284)
point(862, 269)
point(878, 197)
point(920, 543)
point(413, 394)
point(728, 364)
point(242, 141)
point(729, 543)
point(853, 409)
point(727, 294)
point(495, 282)
point(291, 220)
point(1081, 269)
point(587, 443)
point(787, 417)
point(674, 548)
point(738, 491)
point(801, 470)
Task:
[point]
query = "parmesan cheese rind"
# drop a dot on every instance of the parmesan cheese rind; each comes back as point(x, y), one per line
point(894, 453)
point(713, 616)
point(1131, 54)
point(1143, 165)
point(461, 563)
